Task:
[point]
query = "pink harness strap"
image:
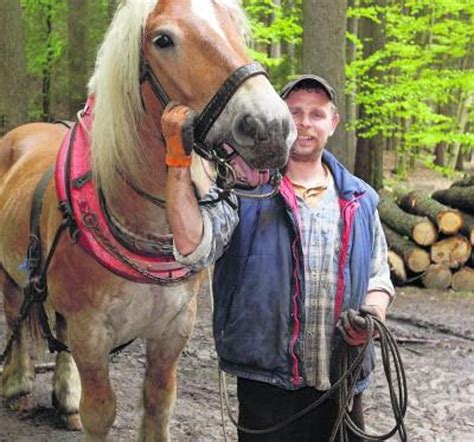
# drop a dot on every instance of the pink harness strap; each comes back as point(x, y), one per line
point(95, 236)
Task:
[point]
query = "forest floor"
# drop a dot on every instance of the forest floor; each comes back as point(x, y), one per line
point(438, 355)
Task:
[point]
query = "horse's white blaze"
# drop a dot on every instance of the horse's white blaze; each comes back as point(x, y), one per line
point(207, 12)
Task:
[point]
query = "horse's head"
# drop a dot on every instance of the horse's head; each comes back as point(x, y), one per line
point(193, 47)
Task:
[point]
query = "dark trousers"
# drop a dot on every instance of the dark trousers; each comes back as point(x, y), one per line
point(262, 405)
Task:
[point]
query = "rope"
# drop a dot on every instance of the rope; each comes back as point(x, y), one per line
point(345, 386)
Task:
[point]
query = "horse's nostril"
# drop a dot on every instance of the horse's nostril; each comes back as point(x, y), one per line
point(248, 126)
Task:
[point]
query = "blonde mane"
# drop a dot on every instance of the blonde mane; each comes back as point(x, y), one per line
point(118, 109)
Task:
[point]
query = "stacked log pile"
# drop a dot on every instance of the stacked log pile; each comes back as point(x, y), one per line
point(431, 237)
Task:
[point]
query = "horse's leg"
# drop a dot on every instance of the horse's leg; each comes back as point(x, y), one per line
point(91, 346)
point(159, 391)
point(66, 383)
point(18, 369)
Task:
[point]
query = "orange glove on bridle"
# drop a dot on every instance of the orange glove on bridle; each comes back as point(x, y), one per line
point(177, 123)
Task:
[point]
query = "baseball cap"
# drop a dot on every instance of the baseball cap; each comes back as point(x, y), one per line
point(310, 78)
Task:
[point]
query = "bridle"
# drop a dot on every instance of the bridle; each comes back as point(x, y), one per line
point(212, 110)
point(217, 154)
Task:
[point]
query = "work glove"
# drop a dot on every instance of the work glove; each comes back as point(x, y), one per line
point(353, 325)
point(177, 123)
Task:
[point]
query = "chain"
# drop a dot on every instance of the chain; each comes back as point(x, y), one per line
point(90, 222)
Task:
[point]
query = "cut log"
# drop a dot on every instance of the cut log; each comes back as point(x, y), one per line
point(416, 259)
point(464, 182)
point(459, 197)
point(437, 276)
point(463, 280)
point(468, 227)
point(397, 268)
point(449, 221)
point(454, 251)
point(419, 228)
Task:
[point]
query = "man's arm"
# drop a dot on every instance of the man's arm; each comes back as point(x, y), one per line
point(380, 293)
point(200, 233)
point(182, 210)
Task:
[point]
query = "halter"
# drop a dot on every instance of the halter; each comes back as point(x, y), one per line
point(214, 153)
point(213, 109)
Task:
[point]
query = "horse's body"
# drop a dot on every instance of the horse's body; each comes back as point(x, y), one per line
point(97, 310)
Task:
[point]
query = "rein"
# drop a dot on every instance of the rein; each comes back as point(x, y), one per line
point(344, 387)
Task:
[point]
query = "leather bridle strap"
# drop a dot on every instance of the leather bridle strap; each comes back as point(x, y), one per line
point(147, 74)
point(217, 104)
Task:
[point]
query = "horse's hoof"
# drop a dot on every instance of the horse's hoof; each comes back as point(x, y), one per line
point(72, 422)
point(20, 403)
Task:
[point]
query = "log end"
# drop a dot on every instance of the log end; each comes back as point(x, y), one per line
point(450, 222)
point(397, 268)
point(437, 276)
point(453, 251)
point(419, 260)
point(424, 233)
point(463, 280)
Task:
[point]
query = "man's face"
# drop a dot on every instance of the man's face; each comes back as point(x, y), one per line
point(315, 119)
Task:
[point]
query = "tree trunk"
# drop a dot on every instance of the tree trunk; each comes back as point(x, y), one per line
point(449, 221)
point(324, 49)
point(416, 259)
point(454, 251)
point(437, 276)
point(77, 55)
point(48, 64)
point(463, 280)
point(465, 105)
point(13, 92)
point(275, 48)
point(440, 154)
point(351, 104)
point(420, 229)
point(459, 197)
point(397, 268)
point(369, 156)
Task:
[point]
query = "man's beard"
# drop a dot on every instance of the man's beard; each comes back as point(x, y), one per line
point(306, 156)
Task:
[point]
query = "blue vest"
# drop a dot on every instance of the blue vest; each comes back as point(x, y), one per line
point(256, 279)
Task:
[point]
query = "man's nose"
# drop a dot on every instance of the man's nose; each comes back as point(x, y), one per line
point(304, 121)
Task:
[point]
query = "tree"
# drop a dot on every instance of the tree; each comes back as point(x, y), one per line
point(324, 54)
point(369, 157)
point(13, 95)
point(77, 54)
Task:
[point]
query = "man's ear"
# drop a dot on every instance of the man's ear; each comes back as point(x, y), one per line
point(334, 122)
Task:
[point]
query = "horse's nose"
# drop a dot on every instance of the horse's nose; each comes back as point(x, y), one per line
point(249, 130)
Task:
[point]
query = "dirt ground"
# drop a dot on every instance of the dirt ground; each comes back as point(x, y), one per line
point(440, 373)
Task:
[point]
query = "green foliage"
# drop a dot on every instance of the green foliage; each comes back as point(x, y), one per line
point(414, 88)
point(275, 24)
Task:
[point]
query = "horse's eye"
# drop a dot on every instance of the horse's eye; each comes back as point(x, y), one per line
point(163, 41)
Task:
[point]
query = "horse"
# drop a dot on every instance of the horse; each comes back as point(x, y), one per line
point(192, 52)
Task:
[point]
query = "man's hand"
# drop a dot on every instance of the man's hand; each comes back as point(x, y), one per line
point(177, 123)
point(353, 325)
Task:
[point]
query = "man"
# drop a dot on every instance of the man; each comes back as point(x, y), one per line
point(288, 269)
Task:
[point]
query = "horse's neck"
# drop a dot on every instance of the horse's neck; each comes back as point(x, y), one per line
point(128, 203)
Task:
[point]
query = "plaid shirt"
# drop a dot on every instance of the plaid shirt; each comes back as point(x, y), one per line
point(321, 228)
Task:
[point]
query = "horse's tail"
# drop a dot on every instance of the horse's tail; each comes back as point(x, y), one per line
point(33, 325)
